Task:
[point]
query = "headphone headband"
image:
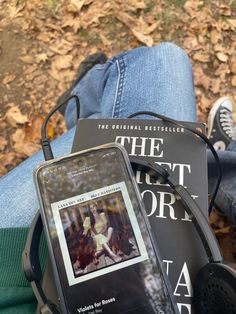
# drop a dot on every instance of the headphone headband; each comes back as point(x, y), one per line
point(193, 210)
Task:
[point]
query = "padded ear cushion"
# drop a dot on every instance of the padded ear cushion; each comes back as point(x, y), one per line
point(214, 290)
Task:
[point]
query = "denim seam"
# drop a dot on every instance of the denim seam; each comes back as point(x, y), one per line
point(117, 88)
point(120, 85)
point(226, 195)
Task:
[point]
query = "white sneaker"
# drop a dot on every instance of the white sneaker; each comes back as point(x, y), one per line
point(220, 124)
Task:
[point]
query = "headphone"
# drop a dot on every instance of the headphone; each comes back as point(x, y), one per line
point(214, 288)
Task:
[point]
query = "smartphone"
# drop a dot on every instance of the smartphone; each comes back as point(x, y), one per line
point(102, 252)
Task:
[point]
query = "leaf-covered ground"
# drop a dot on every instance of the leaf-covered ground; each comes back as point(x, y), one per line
point(42, 43)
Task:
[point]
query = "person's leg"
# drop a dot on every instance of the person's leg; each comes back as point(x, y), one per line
point(112, 255)
point(157, 79)
point(18, 199)
point(226, 196)
point(109, 234)
point(222, 134)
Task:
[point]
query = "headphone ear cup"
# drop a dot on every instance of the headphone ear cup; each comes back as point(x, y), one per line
point(49, 288)
point(214, 290)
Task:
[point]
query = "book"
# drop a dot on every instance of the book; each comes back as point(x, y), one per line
point(183, 154)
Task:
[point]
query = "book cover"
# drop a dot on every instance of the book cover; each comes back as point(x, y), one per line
point(183, 154)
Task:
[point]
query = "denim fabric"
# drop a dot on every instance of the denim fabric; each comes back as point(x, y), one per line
point(157, 79)
point(18, 199)
point(226, 196)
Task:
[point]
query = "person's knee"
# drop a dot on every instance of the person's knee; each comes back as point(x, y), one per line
point(171, 52)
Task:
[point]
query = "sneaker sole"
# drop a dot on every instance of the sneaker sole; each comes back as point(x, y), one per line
point(213, 111)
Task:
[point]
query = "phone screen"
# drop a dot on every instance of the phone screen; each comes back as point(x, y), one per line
point(103, 257)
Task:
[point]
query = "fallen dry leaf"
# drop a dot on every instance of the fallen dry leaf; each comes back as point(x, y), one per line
point(97, 9)
point(27, 59)
point(33, 129)
point(44, 36)
point(88, 2)
point(219, 48)
point(62, 47)
point(105, 40)
point(202, 57)
point(215, 85)
point(8, 79)
point(73, 22)
point(21, 146)
point(228, 245)
point(78, 4)
point(15, 117)
point(18, 136)
point(62, 62)
point(138, 27)
point(136, 4)
point(27, 149)
point(63, 76)
point(222, 231)
point(232, 22)
point(191, 7)
point(215, 36)
point(3, 143)
point(200, 78)
point(215, 218)
point(30, 69)
point(3, 170)
point(15, 10)
point(225, 10)
point(42, 57)
point(222, 56)
point(54, 26)
point(147, 40)
point(233, 65)
point(222, 71)
point(191, 43)
point(204, 101)
point(233, 81)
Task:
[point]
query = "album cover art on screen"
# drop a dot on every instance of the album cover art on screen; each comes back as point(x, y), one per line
point(98, 233)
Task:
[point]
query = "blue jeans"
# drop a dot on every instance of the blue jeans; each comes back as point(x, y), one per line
point(226, 196)
point(157, 79)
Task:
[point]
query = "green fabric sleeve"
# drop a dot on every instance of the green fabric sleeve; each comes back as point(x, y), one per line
point(16, 295)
